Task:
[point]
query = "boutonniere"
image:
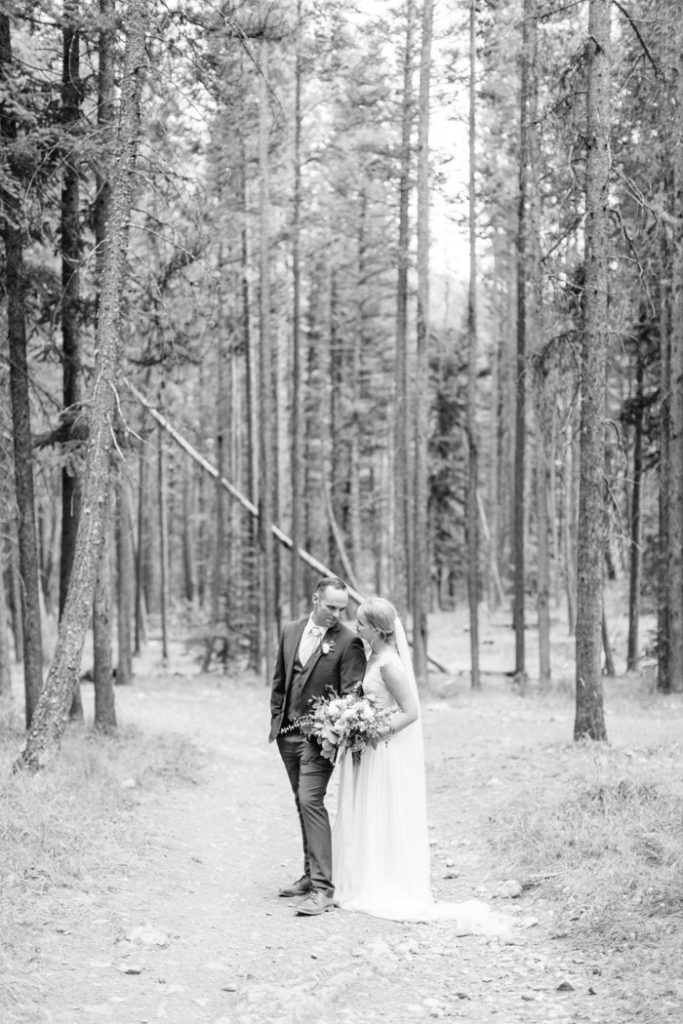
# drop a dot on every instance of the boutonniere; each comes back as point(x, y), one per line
point(328, 645)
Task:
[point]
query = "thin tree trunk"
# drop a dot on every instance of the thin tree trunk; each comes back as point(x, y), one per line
point(297, 417)
point(402, 567)
point(125, 560)
point(16, 603)
point(607, 647)
point(523, 261)
point(217, 578)
point(139, 555)
point(674, 565)
point(189, 546)
point(663, 676)
point(421, 561)
point(15, 285)
point(589, 720)
point(5, 660)
point(105, 710)
point(50, 712)
point(70, 305)
point(472, 511)
point(636, 561)
point(162, 512)
point(266, 356)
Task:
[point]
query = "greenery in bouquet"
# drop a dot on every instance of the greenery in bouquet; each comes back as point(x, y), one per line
point(348, 723)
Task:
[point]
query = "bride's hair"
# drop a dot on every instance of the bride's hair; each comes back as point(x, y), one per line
point(381, 615)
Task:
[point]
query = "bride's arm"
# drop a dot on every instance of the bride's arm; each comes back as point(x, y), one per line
point(397, 684)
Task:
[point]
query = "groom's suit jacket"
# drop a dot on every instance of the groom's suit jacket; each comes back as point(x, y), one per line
point(338, 664)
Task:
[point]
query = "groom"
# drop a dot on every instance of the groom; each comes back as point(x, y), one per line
point(315, 655)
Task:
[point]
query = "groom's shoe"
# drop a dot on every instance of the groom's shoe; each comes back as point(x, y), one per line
point(298, 888)
point(317, 902)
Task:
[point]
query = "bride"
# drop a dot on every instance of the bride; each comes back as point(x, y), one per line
point(380, 842)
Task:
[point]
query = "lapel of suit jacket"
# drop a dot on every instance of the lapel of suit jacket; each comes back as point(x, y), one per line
point(293, 641)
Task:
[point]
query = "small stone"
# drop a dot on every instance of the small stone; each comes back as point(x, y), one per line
point(230, 987)
point(130, 969)
point(510, 889)
point(565, 986)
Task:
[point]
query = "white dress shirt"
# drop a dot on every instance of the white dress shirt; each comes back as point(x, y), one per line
point(310, 640)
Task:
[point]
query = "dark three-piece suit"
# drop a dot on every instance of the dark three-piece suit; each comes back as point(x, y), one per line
point(337, 665)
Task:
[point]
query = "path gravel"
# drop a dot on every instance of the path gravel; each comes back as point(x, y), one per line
point(190, 929)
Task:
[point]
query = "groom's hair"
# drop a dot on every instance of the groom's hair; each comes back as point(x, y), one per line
point(329, 581)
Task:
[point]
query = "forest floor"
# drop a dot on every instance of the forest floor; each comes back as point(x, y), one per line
point(182, 924)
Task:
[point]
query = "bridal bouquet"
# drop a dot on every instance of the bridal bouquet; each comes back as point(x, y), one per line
point(352, 722)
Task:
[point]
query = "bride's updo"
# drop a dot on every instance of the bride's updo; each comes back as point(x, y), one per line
point(381, 615)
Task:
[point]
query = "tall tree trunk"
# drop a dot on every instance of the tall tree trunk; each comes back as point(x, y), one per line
point(589, 720)
point(105, 711)
point(297, 416)
point(472, 511)
point(70, 306)
point(5, 660)
point(71, 316)
point(544, 451)
point(162, 512)
point(250, 568)
point(674, 565)
point(635, 559)
point(523, 275)
point(219, 538)
point(402, 530)
point(125, 573)
point(266, 356)
point(663, 676)
point(140, 605)
point(12, 234)
point(421, 547)
point(50, 713)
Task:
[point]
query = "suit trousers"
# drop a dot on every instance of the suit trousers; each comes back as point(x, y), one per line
point(309, 773)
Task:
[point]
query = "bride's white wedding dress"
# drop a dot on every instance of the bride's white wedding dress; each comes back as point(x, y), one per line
point(380, 844)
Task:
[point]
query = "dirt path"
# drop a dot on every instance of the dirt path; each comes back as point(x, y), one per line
point(190, 930)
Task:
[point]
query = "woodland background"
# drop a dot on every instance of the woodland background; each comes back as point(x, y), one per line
point(401, 280)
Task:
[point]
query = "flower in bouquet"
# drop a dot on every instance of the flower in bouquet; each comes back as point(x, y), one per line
point(351, 722)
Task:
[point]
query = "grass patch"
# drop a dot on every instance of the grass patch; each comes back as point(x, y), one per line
point(604, 836)
point(67, 831)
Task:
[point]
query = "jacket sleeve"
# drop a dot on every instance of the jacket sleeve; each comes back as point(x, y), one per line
point(277, 693)
point(353, 662)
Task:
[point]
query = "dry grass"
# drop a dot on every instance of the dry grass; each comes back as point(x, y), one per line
point(66, 831)
point(604, 836)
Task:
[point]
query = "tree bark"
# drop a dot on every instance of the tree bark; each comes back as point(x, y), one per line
point(125, 578)
point(472, 511)
point(635, 559)
point(297, 414)
point(674, 562)
point(402, 530)
point(5, 661)
point(162, 513)
point(105, 711)
point(51, 711)
point(12, 234)
point(266, 402)
point(589, 719)
point(70, 305)
point(421, 547)
point(523, 275)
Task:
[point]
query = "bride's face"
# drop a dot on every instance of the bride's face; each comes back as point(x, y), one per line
point(364, 630)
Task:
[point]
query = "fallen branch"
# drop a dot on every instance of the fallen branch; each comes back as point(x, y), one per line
point(282, 537)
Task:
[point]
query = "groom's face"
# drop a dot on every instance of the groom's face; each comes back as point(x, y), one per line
point(328, 606)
